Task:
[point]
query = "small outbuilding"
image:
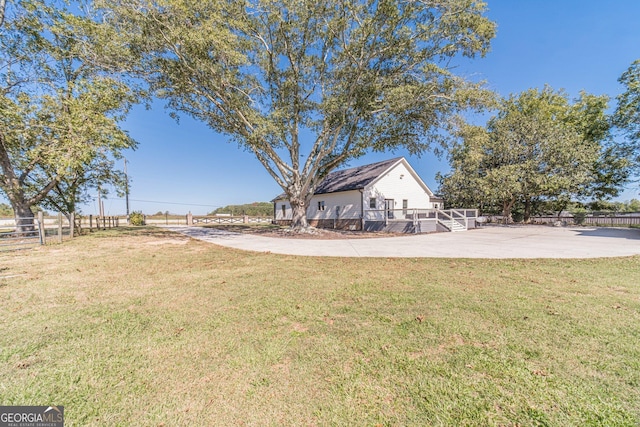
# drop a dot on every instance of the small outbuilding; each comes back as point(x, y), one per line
point(387, 195)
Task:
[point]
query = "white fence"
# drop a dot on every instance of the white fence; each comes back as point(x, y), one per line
point(244, 219)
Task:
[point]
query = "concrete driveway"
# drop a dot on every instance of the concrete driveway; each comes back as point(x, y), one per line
point(487, 242)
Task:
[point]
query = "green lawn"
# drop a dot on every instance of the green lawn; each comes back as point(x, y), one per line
point(142, 327)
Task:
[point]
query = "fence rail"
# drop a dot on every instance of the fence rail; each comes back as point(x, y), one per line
point(90, 222)
point(595, 220)
point(22, 233)
point(244, 219)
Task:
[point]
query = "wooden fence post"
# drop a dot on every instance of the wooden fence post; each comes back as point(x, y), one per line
point(41, 229)
point(90, 223)
point(72, 224)
point(59, 227)
point(189, 219)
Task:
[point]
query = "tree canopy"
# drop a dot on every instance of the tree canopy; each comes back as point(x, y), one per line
point(251, 209)
point(59, 109)
point(307, 85)
point(627, 114)
point(538, 147)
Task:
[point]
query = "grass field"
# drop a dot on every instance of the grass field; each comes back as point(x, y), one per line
point(146, 328)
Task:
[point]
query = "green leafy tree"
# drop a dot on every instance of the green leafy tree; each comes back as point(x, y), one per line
point(307, 85)
point(627, 114)
point(538, 147)
point(251, 209)
point(76, 188)
point(56, 122)
point(5, 210)
point(632, 205)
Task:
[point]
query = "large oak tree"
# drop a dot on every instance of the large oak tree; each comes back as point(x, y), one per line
point(307, 85)
point(59, 106)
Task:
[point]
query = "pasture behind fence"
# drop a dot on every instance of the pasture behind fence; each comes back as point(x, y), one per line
point(90, 223)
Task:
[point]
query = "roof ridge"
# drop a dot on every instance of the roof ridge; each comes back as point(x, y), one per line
point(395, 159)
point(353, 178)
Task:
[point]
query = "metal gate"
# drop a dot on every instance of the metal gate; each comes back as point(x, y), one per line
point(23, 237)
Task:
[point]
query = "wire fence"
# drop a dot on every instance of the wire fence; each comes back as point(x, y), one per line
point(25, 233)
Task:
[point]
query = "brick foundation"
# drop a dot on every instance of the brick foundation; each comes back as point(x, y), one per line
point(338, 224)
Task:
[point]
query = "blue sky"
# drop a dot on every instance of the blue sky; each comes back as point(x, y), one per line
point(570, 44)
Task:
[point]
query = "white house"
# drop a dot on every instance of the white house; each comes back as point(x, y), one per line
point(385, 195)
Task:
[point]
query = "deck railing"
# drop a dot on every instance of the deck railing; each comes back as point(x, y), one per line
point(449, 218)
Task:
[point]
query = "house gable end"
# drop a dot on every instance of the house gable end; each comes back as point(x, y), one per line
point(407, 166)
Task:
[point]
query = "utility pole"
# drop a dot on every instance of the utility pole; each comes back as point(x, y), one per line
point(126, 186)
point(100, 208)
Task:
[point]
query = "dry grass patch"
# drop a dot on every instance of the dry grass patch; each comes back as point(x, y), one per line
point(124, 329)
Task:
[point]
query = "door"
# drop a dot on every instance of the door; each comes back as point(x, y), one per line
point(388, 207)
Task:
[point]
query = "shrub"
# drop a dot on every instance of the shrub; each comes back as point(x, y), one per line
point(136, 218)
point(579, 214)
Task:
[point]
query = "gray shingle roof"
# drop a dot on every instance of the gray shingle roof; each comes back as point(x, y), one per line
point(352, 178)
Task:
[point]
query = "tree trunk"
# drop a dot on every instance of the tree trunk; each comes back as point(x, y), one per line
point(70, 219)
point(506, 211)
point(561, 207)
point(24, 217)
point(299, 213)
point(527, 210)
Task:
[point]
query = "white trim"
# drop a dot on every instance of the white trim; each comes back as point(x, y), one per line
point(411, 171)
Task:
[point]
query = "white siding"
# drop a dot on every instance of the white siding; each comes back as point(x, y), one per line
point(398, 184)
point(350, 203)
point(287, 215)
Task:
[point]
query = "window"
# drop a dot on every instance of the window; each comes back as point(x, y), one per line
point(321, 206)
point(405, 205)
point(372, 203)
point(284, 211)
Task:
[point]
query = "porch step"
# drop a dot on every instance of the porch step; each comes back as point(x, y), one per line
point(454, 226)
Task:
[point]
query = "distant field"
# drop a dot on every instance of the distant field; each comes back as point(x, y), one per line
point(143, 327)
